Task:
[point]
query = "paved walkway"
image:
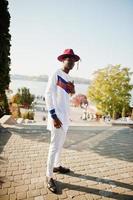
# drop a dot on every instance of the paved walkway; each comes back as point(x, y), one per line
point(101, 159)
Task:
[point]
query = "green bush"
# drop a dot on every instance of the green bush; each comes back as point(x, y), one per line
point(28, 115)
point(23, 98)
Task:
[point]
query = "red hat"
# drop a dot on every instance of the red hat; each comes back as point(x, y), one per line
point(68, 53)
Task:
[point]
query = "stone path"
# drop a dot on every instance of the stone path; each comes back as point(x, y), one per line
point(101, 160)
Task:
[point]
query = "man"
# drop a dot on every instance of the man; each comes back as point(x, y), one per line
point(58, 91)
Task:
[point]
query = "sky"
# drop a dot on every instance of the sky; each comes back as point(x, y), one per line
point(99, 31)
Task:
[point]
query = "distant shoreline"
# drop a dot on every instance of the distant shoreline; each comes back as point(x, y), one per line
point(44, 78)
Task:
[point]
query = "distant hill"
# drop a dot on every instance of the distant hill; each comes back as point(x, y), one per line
point(44, 78)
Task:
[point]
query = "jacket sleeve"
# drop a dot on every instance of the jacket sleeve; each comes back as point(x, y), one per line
point(50, 93)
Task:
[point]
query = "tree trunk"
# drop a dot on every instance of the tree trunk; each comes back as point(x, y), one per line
point(123, 112)
point(114, 114)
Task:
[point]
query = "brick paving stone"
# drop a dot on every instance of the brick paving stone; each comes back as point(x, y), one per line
point(32, 186)
point(11, 190)
point(4, 169)
point(9, 173)
point(3, 191)
point(60, 176)
point(17, 177)
point(13, 168)
point(62, 196)
point(17, 183)
point(17, 172)
point(44, 191)
point(34, 180)
point(13, 197)
point(89, 197)
point(2, 174)
point(10, 178)
point(74, 180)
point(21, 188)
point(27, 171)
point(6, 185)
point(22, 167)
point(51, 197)
point(21, 195)
point(27, 181)
point(4, 197)
point(39, 198)
point(81, 197)
point(26, 176)
point(83, 183)
point(72, 193)
point(33, 193)
point(39, 185)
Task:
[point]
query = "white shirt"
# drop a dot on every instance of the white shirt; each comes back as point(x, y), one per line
point(57, 98)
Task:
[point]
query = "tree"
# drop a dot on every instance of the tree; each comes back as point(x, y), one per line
point(79, 99)
point(23, 97)
point(5, 38)
point(110, 90)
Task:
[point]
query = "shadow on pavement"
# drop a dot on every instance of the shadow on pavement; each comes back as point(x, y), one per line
point(100, 180)
point(4, 137)
point(36, 133)
point(106, 141)
point(118, 145)
point(103, 193)
point(5, 134)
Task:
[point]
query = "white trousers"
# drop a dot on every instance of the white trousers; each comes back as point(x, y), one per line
point(58, 136)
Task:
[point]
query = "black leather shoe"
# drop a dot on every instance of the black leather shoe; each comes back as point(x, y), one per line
point(61, 170)
point(51, 185)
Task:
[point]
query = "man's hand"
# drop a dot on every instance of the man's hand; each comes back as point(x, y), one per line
point(57, 123)
point(71, 87)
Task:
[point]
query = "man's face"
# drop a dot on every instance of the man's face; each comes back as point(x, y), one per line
point(69, 63)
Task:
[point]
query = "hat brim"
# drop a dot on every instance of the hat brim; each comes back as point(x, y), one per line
point(63, 56)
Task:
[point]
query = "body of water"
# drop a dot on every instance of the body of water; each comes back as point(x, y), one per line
point(38, 88)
